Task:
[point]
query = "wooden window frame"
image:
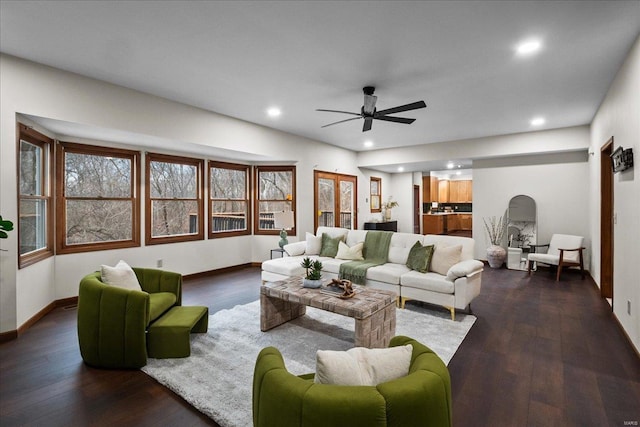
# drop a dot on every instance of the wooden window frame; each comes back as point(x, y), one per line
point(257, 200)
point(233, 166)
point(61, 206)
point(337, 177)
point(165, 158)
point(25, 133)
point(378, 195)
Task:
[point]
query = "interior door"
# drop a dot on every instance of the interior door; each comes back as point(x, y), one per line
point(606, 221)
point(335, 197)
point(416, 209)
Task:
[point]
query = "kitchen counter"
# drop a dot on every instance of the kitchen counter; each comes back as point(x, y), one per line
point(443, 222)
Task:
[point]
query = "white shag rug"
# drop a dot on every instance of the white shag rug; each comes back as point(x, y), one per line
point(217, 378)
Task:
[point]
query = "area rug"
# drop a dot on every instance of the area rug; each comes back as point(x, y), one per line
point(217, 377)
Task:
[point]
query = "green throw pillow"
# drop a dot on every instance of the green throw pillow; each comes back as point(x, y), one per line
point(329, 245)
point(420, 257)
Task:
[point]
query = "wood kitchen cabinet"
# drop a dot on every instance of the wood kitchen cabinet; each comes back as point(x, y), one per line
point(453, 222)
point(433, 224)
point(429, 189)
point(460, 191)
point(466, 221)
point(443, 191)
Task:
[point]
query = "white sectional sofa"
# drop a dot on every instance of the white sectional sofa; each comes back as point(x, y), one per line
point(455, 290)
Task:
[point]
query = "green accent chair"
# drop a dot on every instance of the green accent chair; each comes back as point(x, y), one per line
point(422, 398)
point(113, 321)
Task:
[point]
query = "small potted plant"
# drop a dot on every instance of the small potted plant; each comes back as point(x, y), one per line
point(313, 273)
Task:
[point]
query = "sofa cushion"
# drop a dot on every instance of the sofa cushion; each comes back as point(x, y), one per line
point(445, 257)
point(355, 236)
point(468, 244)
point(330, 245)
point(387, 273)
point(287, 266)
point(160, 302)
point(420, 257)
point(314, 244)
point(428, 281)
point(400, 246)
point(332, 265)
point(362, 366)
point(295, 249)
point(122, 276)
point(353, 253)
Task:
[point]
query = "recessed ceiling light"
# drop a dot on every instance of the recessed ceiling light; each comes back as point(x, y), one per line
point(274, 112)
point(400, 169)
point(538, 121)
point(368, 143)
point(449, 165)
point(528, 47)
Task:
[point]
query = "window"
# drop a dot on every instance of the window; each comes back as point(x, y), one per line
point(98, 204)
point(35, 231)
point(228, 199)
point(276, 188)
point(376, 194)
point(174, 199)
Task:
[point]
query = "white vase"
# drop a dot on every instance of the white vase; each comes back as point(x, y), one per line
point(496, 256)
point(387, 214)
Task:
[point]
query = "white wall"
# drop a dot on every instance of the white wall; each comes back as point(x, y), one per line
point(37, 90)
point(558, 184)
point(619, 116)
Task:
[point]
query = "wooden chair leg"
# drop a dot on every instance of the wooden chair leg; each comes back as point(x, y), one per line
point(581, 263)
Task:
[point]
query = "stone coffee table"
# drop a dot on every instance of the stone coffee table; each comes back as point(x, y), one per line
point(374, 310)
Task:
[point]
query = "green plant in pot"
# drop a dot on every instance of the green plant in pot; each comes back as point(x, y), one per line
point(313, 273)
point(5, 225)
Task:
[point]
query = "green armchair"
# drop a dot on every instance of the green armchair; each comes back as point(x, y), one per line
point(422, 398)
point(112, 321)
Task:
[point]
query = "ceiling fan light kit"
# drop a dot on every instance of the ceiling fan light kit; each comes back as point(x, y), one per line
point(369, 113)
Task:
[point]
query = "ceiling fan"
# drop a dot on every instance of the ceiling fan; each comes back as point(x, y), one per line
point(369, 113)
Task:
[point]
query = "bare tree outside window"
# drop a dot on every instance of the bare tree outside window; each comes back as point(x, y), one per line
point(174, 198)
point(98, 192)
point(229, 199)
point(34, 196)
point(276, 193)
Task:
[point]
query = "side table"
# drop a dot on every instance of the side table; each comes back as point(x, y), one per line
point(278, 250)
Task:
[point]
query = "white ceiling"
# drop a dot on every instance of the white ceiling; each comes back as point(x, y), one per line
point(239, 58)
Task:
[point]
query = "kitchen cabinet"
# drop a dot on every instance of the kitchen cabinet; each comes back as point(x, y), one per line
point(466, 221)
point(453, 222)
point(429, 189)
point(433, 224)
point(434, 189)
point(460, 191)
point(443, 191)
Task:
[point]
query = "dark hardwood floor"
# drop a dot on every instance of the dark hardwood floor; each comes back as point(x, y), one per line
point(542, 353)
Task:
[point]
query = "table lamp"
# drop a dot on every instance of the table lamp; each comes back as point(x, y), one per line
point(283, 221)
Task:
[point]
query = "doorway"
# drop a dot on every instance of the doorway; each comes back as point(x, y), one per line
point(606, 221)
point(335, 197)
point(416, 209)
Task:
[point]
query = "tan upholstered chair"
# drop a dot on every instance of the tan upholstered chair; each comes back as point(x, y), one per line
point(564, 251)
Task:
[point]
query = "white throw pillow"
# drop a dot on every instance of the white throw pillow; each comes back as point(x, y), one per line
point(121, 275)
point(445, 257)
point(362, 366)
point(314, 244)
point(353, 253)
point(295, 249)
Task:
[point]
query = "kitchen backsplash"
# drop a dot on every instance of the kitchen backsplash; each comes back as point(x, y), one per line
point(453, 207)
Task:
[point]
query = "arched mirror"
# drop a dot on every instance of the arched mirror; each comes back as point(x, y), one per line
point(522, 231)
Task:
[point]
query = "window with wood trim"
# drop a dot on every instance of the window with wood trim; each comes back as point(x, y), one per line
point(98, 203)
point(276, 192)
point(228, 199)
point(35, 218)
point(375, 187)
point(174, 199)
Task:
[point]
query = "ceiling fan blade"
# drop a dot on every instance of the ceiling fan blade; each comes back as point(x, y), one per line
point(369, 103)
point(338, 111)
point(395, 119)
point(401, 108)
point(342, 121)
point(368, 121)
